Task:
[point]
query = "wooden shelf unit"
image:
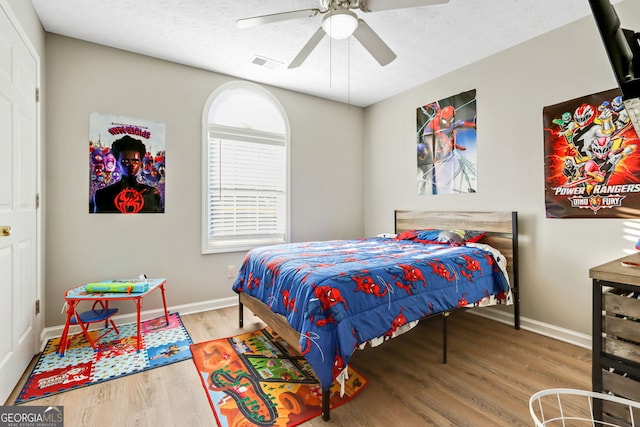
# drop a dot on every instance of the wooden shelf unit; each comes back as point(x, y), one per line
point(616, 329)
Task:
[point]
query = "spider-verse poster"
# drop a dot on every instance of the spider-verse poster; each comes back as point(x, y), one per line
point(446, 145)
point(592, 164)
point(126, 165)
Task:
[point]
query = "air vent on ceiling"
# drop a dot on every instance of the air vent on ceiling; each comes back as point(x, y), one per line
point(266, 62)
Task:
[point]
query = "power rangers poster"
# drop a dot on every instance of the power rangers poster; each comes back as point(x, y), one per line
point(446, 145)
point(126, 165)
point(592, 165)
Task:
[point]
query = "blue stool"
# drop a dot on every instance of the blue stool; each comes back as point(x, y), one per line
point(100, 312)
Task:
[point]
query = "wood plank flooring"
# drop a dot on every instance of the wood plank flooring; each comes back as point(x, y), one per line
point(491, 372)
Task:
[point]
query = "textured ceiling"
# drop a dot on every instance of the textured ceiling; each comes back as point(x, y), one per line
point(430, 40)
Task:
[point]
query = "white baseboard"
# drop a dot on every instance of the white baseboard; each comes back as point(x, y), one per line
point(551, 331)
point(501, 316)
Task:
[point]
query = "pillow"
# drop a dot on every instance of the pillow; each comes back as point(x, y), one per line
point(443, 237)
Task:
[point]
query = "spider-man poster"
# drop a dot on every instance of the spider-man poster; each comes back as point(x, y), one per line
point(592, 164)
point(126, 165)
point(446, 145)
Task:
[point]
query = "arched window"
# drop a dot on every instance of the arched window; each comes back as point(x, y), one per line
point(245, 169)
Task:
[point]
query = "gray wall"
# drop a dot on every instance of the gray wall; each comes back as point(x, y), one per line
point(512, 89)
point(326, 174)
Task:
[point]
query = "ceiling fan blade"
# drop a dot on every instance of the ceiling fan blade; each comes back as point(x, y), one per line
point(276, 17)
point(308, 48)
point(373, 43)
point(378, 5)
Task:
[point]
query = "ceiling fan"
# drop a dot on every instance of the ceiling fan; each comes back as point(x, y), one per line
point(340, 22)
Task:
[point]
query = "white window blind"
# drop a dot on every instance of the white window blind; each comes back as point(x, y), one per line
point(247, 188)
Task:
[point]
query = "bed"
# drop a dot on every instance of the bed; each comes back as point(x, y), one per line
point(329, 298)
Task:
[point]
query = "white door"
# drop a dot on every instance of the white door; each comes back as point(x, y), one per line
point(18, 218)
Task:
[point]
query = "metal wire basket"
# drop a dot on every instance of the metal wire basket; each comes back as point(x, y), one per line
point(568, 407)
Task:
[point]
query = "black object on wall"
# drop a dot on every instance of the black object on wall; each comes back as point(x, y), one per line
point(623, 49)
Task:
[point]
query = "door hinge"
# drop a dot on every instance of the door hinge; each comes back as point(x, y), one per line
point(37, 306)
point(37, 94)
point(37, 200)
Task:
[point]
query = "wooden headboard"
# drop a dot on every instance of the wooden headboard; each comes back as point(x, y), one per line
point(501, 228)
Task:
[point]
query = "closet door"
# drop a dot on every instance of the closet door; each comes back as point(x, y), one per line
point(18, 210)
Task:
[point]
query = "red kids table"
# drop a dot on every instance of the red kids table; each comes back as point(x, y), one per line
point(77, 295)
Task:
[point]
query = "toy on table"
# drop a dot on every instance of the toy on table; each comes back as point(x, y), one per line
point(109, 286)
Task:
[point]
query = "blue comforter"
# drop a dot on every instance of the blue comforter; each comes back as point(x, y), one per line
point(340, 294)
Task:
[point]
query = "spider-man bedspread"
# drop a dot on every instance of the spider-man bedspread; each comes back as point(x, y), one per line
point(341, 294)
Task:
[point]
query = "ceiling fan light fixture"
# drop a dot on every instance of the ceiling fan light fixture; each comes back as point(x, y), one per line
point(340, 24)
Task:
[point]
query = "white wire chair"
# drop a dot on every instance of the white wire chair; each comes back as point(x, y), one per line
point(568, 407)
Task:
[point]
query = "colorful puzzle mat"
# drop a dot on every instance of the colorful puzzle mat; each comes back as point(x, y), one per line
point(115, 357)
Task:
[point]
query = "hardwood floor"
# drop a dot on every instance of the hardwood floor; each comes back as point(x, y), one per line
point(491, 372)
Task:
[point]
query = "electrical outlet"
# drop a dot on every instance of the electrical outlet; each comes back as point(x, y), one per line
point(231, 271)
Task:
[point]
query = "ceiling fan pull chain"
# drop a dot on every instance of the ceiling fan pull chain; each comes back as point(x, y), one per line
point(349, 72)
point(330, 63)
